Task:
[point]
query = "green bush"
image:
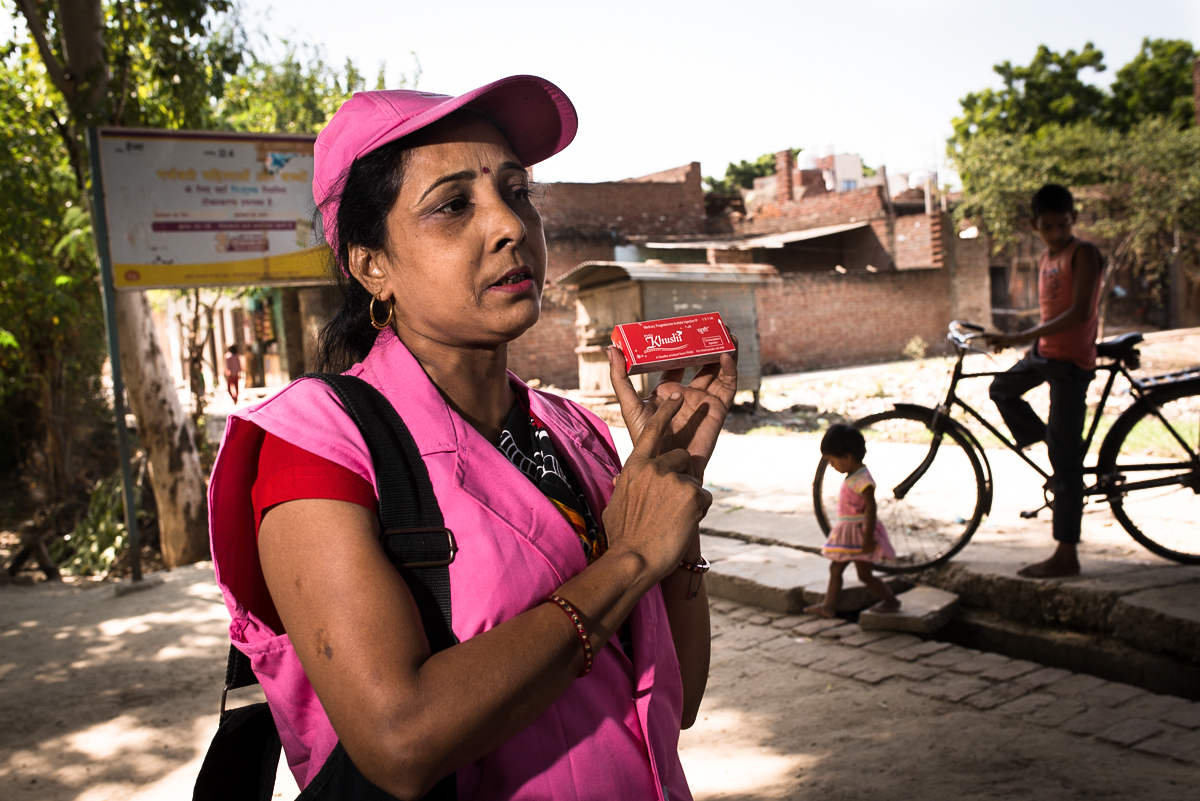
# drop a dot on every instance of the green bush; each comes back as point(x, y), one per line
point(100, 537)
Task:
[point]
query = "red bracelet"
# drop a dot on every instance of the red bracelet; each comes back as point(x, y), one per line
point(577, 621)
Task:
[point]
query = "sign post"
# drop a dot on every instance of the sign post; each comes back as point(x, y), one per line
point(182, 209)
point(114, 352)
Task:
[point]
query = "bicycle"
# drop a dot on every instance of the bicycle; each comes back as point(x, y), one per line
point(935, 486)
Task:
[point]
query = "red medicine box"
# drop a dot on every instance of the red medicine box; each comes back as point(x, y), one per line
point(658, 345)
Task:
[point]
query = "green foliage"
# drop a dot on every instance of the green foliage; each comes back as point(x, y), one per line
point(742, 174)
point(49, 302)
point(1051, 91)
point(1048, 91)
point(1144, 183)
point(1156, 83)
point(916, 348)
point(100, 537)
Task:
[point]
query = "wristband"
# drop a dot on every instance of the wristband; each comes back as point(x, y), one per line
point(576, 621)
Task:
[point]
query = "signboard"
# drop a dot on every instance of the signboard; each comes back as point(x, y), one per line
point(199, 208)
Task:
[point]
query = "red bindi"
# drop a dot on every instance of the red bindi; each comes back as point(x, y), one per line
point(485, 170)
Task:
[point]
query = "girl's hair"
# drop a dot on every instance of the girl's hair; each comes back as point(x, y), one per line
point(232, 349)
point(844, 440)
point(367, 194)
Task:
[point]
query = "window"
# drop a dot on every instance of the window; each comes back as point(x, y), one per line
point(849, 184)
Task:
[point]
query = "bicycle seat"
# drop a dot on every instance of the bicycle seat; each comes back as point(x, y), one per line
point(1117, 347)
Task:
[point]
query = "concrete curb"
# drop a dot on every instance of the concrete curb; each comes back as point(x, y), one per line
point(1151, 608)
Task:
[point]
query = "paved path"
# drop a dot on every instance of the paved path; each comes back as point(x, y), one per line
point(108, 698)
point(801, 707)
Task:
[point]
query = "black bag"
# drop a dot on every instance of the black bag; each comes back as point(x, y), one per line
point(244, 755)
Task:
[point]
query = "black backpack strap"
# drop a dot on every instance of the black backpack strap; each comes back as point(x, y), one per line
point(413, 534)
point(240, 763)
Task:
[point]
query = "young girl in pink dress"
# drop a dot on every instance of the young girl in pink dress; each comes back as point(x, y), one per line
point(857, 535)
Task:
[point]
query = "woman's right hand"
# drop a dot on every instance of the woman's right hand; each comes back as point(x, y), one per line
point(657, 506)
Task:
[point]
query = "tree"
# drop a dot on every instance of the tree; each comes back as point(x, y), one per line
point(1157, 82)
point(158, 63)
point(1142, 186)
point(52, 339)
point(742, 174)
point(1048, 91)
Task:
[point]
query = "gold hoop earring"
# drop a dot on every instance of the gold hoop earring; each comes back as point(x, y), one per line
point(371, 313)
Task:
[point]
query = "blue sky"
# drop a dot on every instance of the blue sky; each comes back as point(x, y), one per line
point(661, 84)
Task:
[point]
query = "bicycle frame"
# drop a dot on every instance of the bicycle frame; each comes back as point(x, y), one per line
point(1103, 486)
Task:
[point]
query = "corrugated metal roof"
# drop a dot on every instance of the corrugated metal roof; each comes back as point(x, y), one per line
point(770, 241)
point(594, 273)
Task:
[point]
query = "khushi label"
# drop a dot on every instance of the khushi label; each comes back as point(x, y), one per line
point(659, 345)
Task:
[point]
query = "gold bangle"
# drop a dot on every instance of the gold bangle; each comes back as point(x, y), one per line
point(697, 569)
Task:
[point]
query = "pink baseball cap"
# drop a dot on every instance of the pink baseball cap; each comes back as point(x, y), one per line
point(535, 116)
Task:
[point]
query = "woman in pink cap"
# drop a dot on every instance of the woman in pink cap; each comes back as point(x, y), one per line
point(577, 593)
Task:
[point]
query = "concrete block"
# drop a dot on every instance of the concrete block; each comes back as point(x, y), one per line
point(1012, 669)
point(1093, 721)
point(841, 633)
point(915, 672)
point(864, 637)
point(1057, 712)
point(1173, 744)
point(949, 688)
point(818, 624)
point(914, 652)
point(879, 669)
point(1187, 716)
point(996, 695)
point(1074, 685)
point(980, 663)
point(1040, 678)
point(1131, 731)
point(1163, 620)
point(747, 637)
point(947, 657)
point(759, 620)
point(786, 622)
point(1111, 694)
point(1158, 707)
point(923, 610)
point(1026, 704)
point(810, 652)
point(891, 644)
point(768, 576)
point(836, 657)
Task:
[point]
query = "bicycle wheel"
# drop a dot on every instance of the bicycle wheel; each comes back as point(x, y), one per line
point(936, 517)
point(1151, 464)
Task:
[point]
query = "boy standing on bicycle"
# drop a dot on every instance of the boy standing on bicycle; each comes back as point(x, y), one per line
point(1063, 355)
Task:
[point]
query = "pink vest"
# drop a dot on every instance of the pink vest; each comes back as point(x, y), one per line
point(612, 734)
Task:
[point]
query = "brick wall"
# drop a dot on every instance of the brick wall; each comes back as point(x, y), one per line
point(914, 245)
point(636, 207)
point(547, 351)
point(815, 211)
point(812, 320)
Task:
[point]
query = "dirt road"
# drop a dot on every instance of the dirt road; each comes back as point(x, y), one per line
point(107, 697)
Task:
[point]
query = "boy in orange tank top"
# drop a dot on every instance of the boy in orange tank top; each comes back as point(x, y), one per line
point(1064, 356)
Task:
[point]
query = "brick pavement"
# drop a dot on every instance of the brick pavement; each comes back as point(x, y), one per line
point(1118, 714)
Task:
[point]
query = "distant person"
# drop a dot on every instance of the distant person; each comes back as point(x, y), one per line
point(1064, 356)
point(233, 371)
point(858, 536)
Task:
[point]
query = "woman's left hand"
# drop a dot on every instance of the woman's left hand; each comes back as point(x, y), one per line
point(706, 402)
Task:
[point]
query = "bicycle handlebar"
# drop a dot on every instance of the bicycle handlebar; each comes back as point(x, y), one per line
point(962, 332)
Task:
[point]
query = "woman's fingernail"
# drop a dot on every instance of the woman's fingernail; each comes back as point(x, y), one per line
point(676, 395)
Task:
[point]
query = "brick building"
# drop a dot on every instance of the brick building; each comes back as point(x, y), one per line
point(862, 275)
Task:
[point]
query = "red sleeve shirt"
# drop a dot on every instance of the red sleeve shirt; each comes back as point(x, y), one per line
point(288, 473)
